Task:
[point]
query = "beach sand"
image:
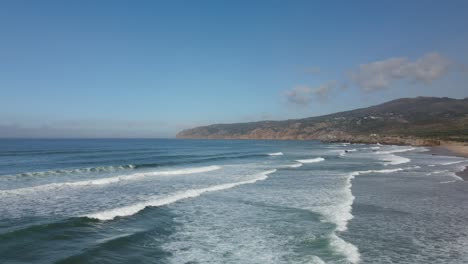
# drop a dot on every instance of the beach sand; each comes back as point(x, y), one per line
point(452, 149)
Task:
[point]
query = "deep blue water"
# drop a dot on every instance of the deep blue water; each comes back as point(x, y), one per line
point(228, 201)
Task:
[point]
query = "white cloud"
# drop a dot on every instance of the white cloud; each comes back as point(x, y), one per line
point(304, 95)
point(381, 74)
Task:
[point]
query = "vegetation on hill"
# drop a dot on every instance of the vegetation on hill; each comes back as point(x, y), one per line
point(421, 120)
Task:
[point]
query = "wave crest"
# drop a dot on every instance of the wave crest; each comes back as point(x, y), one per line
point(319, 159)
point(115, 179)
point(276, 154)
point(135, 208)
point(75, 171)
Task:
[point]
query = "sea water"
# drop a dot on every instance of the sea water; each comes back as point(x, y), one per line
point(228, 201)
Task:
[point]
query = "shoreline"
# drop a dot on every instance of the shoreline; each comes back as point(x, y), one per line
point(452, 149)
point(463, 174)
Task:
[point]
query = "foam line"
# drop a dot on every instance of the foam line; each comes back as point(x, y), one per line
point(347, 249)
point(296, 165)
point(135, 208)
point(115, 179)
point(276, 154)
point(319, 159)
point(395, 151)
point(394, 159)
point(453, 162)
point(342, 214)
point(74, 171)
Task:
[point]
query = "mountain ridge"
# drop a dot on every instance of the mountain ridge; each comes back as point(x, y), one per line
point(413, 121)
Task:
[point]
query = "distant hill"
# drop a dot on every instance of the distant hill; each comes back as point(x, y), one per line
point(415, 121)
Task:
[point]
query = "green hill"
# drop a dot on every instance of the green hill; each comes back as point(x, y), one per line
point(416, 121)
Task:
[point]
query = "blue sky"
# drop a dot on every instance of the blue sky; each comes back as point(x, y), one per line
point(152, 68)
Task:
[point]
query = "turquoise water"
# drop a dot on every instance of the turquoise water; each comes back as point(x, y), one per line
point(201, 201)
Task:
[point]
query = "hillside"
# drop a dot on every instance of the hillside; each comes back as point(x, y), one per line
point(415, 121)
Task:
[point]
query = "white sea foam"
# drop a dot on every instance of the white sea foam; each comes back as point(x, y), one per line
point(341, 213)
point(447, 173)
point(351, 150)
point(457, 178)
point(296, 165)
point(347, 249)
point(444, 182)
point(319, 159)
point(160, 201)
point(453, 162)
point(395, 151)
point(374, 148)
point(115, 179)
point(439, 172)
point(74, 171)
point(394, 159)
point(356, 173)
point(276, 154)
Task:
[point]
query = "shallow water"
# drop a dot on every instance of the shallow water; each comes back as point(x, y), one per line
point(200, 201)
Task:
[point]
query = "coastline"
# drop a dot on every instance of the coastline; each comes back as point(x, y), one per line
point(452, 149)
point(463, 174)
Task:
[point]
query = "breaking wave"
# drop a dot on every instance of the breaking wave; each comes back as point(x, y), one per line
point(296, 165)
point(135, 208)
point(115, 179)
point(395, 151)
point(319, 159)
point(276, 154)
point(75, 171)
point(453, 162)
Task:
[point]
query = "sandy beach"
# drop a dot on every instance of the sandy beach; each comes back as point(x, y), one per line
point(453, 149)
point(459, 149)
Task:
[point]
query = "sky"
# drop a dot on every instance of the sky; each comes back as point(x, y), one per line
point(71, 69)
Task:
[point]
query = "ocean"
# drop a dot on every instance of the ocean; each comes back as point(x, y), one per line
point(228, 201)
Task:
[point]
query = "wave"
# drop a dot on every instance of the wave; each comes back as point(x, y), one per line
point(319, 159)
point(394, 159)
point(395, 151)
point(296, 165)
point(347, 249)
point(448, 173)
point(276, 154)
point(115, 179)
point(444, 182)
point(356, 173)
point(453, 162)
point(135, 208)
point(75, 171)
point(341, 214)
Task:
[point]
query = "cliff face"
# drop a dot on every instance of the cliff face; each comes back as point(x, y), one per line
point(414, 121)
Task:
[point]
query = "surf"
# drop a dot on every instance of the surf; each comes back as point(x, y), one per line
point(74, 171)
point(276, 154)
point(161, 201)
point(114, 179)
point(315, 160)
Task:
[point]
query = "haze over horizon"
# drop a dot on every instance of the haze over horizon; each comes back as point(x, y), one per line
point(151, 69)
